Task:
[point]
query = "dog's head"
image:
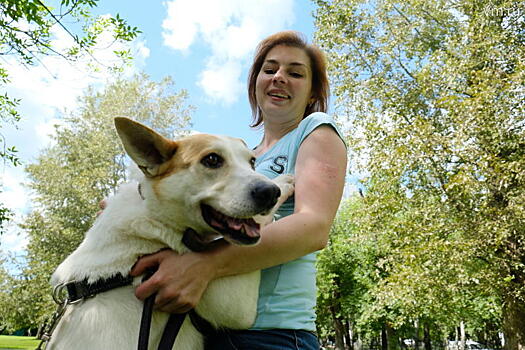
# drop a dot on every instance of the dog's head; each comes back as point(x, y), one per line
point(203, 182)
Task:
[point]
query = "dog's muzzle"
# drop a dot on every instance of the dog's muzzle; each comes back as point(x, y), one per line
point(263, 196)
point(234, 230)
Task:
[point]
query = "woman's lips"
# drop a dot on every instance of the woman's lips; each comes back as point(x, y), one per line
point(278, 94)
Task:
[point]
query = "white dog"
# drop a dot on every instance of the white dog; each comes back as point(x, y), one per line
point(203, 182)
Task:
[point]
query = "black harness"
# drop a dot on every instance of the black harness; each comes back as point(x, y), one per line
point(77, 291)
point(80, 290)
point(172, 328)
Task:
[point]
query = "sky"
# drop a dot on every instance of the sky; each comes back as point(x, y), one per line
point(206, 46)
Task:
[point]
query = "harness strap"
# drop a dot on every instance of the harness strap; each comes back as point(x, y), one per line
point(175, 321)
point(201, 324)
point(78, 290)
point(145, 322)
point(171, 330)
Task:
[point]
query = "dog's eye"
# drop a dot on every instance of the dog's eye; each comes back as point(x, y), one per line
point(212, 160)
point(252, 163)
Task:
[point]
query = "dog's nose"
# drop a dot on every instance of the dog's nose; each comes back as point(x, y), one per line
point(265, 195)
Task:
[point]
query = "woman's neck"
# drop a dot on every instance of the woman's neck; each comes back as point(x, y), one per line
point(272, 134)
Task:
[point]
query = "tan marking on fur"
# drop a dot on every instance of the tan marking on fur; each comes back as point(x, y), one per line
point(190, 150)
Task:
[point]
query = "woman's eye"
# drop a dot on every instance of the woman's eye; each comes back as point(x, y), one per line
point(212, 161)
point(296, 75)
point(269, 71)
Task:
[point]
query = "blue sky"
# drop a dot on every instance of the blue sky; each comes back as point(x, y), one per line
point(205, 45)
point(211, 60)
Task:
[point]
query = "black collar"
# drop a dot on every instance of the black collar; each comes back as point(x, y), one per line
point(78, 290)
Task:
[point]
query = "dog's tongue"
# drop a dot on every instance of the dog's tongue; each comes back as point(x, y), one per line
point(252, 230)
point(249, 226)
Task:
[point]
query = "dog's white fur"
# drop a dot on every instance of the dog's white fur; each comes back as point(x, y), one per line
point(175, 183)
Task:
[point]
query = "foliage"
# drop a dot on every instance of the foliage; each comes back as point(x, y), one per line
point(27, 33)
point(434, 95)
point(347, 271)
point(84, 165)
point(26, 28)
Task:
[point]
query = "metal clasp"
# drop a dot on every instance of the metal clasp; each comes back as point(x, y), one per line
point(48, 331)
point(62, 300)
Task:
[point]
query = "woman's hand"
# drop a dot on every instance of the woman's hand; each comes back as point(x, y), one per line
point(102, 205)
point(179, 281)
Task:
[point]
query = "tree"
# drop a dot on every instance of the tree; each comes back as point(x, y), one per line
point(26, 33)
point(347, 273)
point(434, 96)
point(85, 164)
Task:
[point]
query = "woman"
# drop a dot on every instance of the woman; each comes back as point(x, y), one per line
point(288, 92)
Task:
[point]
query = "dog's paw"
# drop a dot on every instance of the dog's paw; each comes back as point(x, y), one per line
point(286, 184)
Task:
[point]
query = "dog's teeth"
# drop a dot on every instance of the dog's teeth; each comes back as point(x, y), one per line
point(223, 223)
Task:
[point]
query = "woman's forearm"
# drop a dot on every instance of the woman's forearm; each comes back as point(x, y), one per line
point(282, 241)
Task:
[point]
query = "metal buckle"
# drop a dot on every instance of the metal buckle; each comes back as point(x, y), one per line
point(57, 294)
point(60, 295)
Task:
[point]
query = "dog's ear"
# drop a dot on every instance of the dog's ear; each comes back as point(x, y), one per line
point(146, 147)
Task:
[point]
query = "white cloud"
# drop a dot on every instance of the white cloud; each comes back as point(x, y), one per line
point(222, 82)
point(231, 29)
point(57, 83)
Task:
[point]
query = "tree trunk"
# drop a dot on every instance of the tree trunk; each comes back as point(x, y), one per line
point(384, 338)
point(426, 336)
point(339, 329)
point(416, 334)
point(462, 334)
point(392, 338)
point(349, 336)
point(514, 324)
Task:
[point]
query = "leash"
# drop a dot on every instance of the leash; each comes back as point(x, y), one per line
point(175, 321)
point(171, 330)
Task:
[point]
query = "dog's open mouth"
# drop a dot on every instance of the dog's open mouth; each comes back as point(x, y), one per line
point(234, 230)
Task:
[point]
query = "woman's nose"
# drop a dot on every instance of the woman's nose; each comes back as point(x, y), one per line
point(279, 76)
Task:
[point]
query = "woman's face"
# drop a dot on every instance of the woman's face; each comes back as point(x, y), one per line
point(284, 84)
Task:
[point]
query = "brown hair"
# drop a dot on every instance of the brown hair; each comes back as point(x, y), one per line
point(320, 86)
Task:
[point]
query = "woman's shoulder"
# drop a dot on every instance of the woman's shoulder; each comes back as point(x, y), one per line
point(315, 120)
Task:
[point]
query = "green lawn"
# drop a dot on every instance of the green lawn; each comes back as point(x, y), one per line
point(13, 342)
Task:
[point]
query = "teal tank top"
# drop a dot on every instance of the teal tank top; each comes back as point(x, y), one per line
point(287, 293)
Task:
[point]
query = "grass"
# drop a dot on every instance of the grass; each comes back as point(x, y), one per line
point(14, 342)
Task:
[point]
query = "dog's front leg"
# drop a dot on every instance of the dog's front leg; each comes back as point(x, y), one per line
point(286, 185)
